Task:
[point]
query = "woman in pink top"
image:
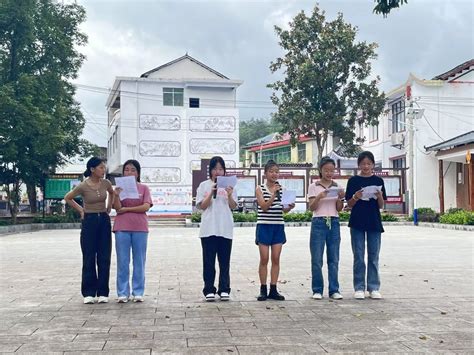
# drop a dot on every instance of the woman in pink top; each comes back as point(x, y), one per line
point(325, 229)
point(131, 233)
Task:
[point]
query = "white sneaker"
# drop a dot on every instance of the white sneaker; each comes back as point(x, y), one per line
point(317, 296)
point(122, 299)
point(336, 296)
point(89, 300)
point(359, 295)
point(210, 297)
point(375, 295)
point(138, 299)
point(225, 296)
point(103, 299)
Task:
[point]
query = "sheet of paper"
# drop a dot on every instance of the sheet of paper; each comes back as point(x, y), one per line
point(333, 191)
point(225, 181)
point(368, 192)
point(288, 197)
point(128, 186)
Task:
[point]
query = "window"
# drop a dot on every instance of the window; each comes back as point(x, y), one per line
point(279, 155)
point(399, 163)
point(398, 116)
point(373, 133)
point(301, 152)
point(360, 130)
point(194, 103)
point(173, 97)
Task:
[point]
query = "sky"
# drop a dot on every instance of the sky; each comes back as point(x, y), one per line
point(237, 38)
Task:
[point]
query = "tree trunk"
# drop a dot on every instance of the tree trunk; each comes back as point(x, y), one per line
point(13, 196)
point(31, 190)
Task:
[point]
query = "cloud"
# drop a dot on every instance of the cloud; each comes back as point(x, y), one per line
point(237, 38)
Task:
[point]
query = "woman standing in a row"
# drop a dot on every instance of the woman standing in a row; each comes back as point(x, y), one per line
point(96, 239)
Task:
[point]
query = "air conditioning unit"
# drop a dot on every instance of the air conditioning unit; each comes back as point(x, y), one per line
point(397, 140)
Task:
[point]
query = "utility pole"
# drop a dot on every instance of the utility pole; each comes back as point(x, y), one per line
point(412, 113)
point(411, 159)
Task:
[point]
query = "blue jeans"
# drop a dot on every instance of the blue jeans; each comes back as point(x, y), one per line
point(358, 238)
point(321, 236)
point(136, 241)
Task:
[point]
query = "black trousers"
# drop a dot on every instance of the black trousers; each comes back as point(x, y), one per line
point(96, 246)
point(212, 246)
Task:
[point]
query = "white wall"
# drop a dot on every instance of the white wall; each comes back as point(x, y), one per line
point(449, 109)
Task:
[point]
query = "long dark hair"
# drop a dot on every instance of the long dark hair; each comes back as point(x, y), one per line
point(213, 162)
point(325, 160)
point(135, 163)
point(93, 162)
point(365, 154)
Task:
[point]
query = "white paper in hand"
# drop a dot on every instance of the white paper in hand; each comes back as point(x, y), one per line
point(288, 197)
point(128, 185)
point(226, 181)
point(369, 192)
point(333, 191)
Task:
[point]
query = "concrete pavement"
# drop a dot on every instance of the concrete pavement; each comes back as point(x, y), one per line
point(427, 284)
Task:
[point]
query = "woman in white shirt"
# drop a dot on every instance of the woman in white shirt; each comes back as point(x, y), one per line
point(217, 228)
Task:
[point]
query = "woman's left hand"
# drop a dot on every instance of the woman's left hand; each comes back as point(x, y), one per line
point(341, 194)
point(229, 190)
point(291, 206)
point(122, 210)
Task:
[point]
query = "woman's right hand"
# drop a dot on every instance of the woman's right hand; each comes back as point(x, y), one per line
point(81, 212)
point(117, 191)
point(322, 194)
point(358, 194)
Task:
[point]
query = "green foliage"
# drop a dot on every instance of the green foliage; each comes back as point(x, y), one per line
point(196, 217)
point(41, 121)
point(245, 217)
point(4, 222)
point(326, 86)
point(385, 6)
point(253, 129)
point(388, 217)
point(426, 214)
point(298, 216)
point(344, 216)
point(458, 217)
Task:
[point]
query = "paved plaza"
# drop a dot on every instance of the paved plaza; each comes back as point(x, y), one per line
point(427, 284)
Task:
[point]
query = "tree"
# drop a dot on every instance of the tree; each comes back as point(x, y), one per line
point(325, 89)
point(41, 123)
point(385, 6)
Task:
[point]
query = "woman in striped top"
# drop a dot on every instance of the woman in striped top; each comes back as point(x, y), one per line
point(270, 231)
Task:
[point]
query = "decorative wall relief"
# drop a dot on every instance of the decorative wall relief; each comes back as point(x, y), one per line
point(163, 175)
point(194, 165)
point(212, 123)
point(160, 149)
point(160, 122)
point(212, 146)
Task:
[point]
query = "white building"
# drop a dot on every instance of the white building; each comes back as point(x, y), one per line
point(434, 111)
point(168, 119)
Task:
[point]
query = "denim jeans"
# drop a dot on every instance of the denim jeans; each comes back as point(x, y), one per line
point(358, 238)
point(96, 246)
point(222, 247)
point(321, 236)
point(136, 242)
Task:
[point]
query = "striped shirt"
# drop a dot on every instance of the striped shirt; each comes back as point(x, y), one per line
point(274, 215)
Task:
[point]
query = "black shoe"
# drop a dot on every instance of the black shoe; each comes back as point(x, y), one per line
point(274, 295)
point(263, 293)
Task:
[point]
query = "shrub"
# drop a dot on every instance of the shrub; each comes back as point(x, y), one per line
point(4, 222)
point(298, 216)
point(388, 217)
point(458, 217)
point(344, 216)
point(426, 214)
point(196, 217)
point(245, 217)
